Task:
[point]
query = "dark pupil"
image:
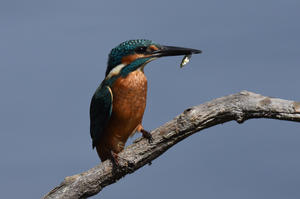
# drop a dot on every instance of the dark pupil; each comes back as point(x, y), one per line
point(140, 49)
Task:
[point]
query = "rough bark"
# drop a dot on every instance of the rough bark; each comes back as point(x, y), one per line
point(240, 107)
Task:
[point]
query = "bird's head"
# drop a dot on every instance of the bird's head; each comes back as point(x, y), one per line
point(135, 54)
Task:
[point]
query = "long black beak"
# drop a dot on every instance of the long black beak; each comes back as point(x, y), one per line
point(174, 51)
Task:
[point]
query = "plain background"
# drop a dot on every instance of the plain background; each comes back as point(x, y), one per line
point(53, 55)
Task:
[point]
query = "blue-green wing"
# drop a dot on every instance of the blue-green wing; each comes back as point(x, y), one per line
point(100, 112)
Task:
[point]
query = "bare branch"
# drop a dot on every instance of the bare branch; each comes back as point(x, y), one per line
point(240, 107)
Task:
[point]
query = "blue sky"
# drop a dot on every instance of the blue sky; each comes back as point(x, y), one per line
point(54, 54)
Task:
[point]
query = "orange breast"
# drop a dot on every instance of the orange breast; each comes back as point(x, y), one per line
point(129, 102)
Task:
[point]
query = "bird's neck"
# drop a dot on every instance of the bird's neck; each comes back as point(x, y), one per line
point(123, 70)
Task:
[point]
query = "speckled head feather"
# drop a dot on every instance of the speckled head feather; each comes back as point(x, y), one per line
point(124, 49)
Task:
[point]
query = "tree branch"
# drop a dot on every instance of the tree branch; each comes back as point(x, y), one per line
point(240, 107)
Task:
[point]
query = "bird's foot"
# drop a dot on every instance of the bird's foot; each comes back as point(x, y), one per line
point(116, 164)
point(147, 135)
point(115, 159)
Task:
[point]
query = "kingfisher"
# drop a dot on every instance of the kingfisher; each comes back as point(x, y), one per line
point(118, 104)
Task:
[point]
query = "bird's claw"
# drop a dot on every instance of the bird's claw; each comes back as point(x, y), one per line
point(115, 160)
point(116, 164)
point(147, 135)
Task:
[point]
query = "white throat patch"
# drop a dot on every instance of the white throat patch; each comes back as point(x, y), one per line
point(115, 71)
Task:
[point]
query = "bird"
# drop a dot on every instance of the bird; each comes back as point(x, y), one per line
point(118, 104)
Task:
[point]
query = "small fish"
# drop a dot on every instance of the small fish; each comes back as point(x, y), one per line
point(185, 60)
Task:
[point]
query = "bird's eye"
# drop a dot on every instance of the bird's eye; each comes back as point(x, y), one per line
point(140, 49)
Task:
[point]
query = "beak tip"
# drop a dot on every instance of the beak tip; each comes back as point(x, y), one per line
point(197, 51)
